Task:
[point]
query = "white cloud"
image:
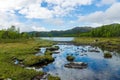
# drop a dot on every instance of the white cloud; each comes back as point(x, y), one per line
point(106, 2)
point(61, 8)
point(34, 11)
point(111, 15)
point(55, 22)
point(33, 8)
point(35, 28)
point(8, 19)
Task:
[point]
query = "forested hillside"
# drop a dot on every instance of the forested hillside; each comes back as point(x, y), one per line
point(112, 30)
point(67, 33)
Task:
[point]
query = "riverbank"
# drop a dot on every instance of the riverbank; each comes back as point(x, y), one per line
point(111, 44)
point(24, 51)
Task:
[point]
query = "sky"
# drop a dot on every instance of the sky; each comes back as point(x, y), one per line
point(46, 15)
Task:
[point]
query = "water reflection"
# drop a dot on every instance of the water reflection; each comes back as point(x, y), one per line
point(98, 68)
point(41, 52)
point(58, 38)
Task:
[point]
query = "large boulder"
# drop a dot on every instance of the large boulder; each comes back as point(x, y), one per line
point(53, 48)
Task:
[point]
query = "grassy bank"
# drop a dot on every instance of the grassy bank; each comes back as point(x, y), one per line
point(105, 43)
point(21, 50)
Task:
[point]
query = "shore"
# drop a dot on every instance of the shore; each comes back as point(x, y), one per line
point(24, 51)
point(111, 44)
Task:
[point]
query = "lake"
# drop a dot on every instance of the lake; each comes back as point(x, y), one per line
point(99, 68)
point(58, 38)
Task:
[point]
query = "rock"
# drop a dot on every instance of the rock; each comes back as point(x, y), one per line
point(94, 50)
point(76, 65)
point(57, 51)
point(70, 58)
point(53, 48)
point(38, 77)
point(107, 55)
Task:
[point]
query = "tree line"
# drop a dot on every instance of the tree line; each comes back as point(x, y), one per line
point(13, 33)
point(112, 30)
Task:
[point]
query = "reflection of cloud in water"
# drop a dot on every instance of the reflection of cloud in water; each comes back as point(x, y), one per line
point(99, 68)
point(59, 61)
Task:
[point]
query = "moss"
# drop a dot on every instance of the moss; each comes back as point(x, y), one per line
point(48, 52)
point(70, 58)
point(53, 78)
point(38, 60)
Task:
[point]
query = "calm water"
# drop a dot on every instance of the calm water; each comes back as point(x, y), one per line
point(58, 38)
point(99, 68)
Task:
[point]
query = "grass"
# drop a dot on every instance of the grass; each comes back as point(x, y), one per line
point(23, 50)
point(105, 43)
point(53, 78)
point(34, 60)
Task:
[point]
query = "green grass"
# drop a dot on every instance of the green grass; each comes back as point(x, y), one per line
point(105, 43)
point(53, 78)
point(23, 50)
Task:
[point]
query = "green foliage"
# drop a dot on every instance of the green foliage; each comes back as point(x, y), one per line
point(67, 33)
point(53, 78)
point(13, 33)
point(112, 30)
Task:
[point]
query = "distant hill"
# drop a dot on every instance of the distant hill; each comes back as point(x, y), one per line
point(111, 30)
point(71, 32)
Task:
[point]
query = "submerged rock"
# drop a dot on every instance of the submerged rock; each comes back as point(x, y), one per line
point(107, 55)
point(57, 51)
point(70, 58)
point(94, 51)
point(76, 65)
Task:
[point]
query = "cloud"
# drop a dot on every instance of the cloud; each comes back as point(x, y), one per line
point(106, 2)
point(60, 8)
point(35, 28)
point(35, 11)
point(9, 18)
point(111, 15)
point(55, 22)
